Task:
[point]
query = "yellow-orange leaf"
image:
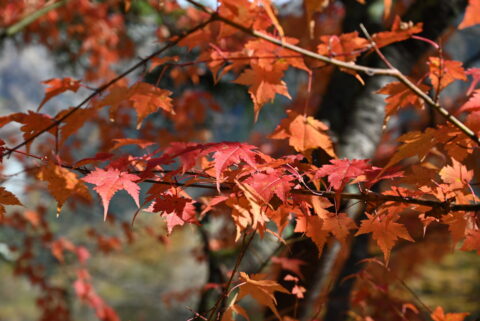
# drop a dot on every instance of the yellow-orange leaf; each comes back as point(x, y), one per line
point(312, 226)
point(62, 183)
point(385, 231)
point(338, 224)
point(144, 97)
point(148, 99)
point(440, 315)
point(456, 175)
point(444, 72)
point(261, 290)
point(399, 96)
point(457, 225)
point(304, 133)
point(263, 84)
point(58, 86)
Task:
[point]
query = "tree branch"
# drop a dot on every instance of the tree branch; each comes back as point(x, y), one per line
point(26, 21)
point(365, 196)
point(351, 66)
point(102, 88)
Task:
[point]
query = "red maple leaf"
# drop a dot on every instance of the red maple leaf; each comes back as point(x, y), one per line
point(227, 154)
point(342, 171)
point(270, 183)
point(109, 181)
point(473, 103)
point(177, 210)
point(475, 73)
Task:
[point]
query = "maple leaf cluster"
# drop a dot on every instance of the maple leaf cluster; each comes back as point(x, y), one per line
point(152, 141)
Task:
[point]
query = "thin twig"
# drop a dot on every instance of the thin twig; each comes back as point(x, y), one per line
point(28, 20)
point(375, 47)
point(246, 243)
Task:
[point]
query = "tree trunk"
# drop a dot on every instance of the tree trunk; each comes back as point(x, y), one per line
point(356, 115)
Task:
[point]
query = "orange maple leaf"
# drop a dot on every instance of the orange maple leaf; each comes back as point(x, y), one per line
point(456, 175)
point(399, 31)
point(304, 133)
point(338, 224)
point(440, 315)
point(62, 183)
point(471, 17)
point(75, 121)
point(444, 72)
point(385, 231)
point(472, 241)
point(144, 97)
point(264, 84)
point(33, 123)
point(58, 86)
point(148, 99)
point(110, 181)
point(8, 198)
point(312, 226)
point(399, 96)
point(457, 225)
point(261, 290)
point(419, 144)
point(346, 47)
